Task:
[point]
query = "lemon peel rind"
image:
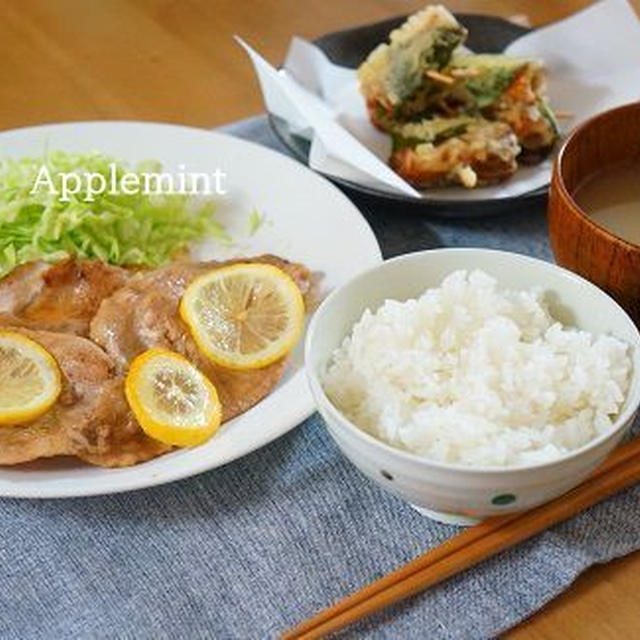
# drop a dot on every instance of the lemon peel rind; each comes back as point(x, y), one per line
point(20, 416)
point(171, 434)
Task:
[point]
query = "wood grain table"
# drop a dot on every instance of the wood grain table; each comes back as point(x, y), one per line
point(175, 61)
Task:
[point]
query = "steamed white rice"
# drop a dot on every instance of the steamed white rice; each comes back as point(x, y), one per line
point(474, 375)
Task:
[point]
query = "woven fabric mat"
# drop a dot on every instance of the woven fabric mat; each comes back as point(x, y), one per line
point(247, 550)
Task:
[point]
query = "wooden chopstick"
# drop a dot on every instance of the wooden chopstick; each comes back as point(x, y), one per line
point(391, 579)
point(474, 545)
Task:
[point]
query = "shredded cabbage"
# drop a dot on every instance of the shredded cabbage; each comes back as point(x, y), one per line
point(122, 229)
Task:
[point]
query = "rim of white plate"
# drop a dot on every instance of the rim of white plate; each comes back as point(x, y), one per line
point(108, 481)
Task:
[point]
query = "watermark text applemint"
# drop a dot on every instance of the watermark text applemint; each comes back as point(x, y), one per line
point(90, 184)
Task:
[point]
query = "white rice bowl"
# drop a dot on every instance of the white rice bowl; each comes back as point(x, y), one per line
point(474, 375)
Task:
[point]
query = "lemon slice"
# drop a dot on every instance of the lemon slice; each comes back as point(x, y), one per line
point(171, 399)
point(30, 380)
point(244, 316)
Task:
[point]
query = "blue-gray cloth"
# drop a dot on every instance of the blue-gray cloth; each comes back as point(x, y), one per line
point(247, 550)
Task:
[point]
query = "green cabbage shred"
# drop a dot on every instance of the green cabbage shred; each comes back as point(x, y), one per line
point(121, 229)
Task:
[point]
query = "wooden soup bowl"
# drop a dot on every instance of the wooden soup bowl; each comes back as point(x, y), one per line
point(608, 139)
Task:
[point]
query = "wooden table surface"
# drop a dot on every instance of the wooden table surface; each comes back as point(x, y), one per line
point(175, 61)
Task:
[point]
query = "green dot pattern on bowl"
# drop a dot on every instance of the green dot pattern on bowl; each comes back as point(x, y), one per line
point(503, 499)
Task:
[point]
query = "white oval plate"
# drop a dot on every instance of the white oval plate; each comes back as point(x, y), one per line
point(307, 220)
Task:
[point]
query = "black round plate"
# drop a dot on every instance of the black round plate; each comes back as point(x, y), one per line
point(487, 34)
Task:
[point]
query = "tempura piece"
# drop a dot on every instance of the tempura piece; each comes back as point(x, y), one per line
point(466, 151)
point(511, 90)
point(392, 78)
point(422, 86)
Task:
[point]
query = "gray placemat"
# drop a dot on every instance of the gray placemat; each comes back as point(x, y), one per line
point(248, 550)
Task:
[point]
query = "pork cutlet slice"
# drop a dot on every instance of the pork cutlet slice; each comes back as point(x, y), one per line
point(62, 297)
point(145, 314)
point(90, 420)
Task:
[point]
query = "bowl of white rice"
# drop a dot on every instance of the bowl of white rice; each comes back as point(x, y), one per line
point(472, 382)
